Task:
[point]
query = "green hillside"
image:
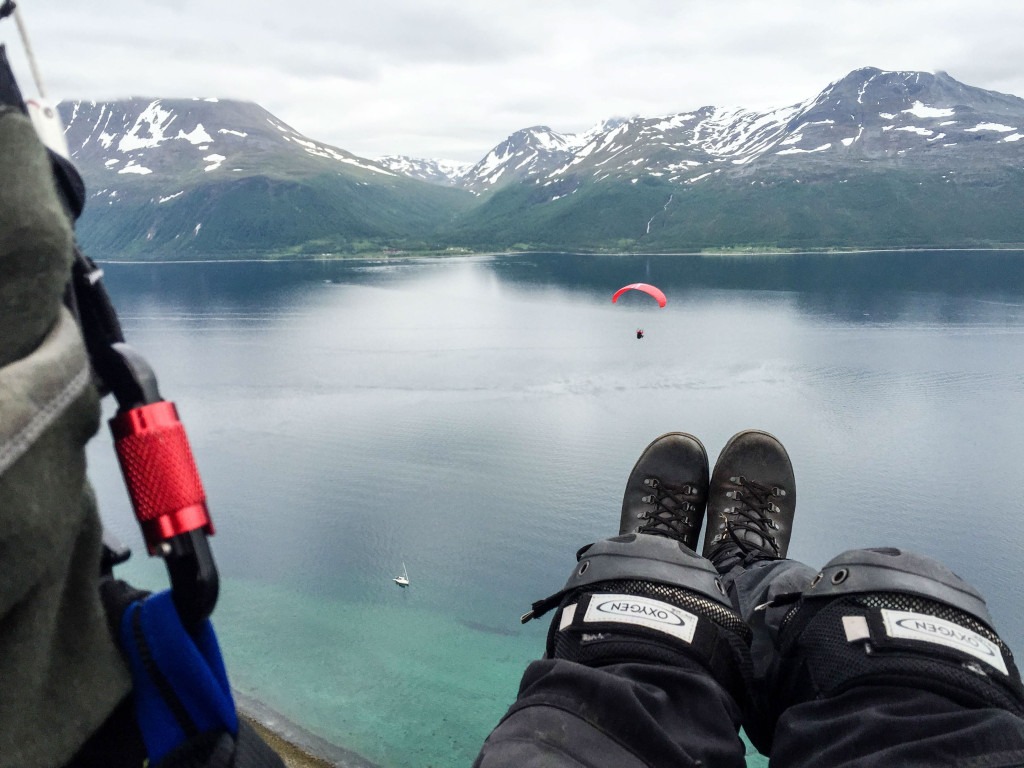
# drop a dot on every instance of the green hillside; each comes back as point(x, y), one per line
point(878, 209)
point(267, 215)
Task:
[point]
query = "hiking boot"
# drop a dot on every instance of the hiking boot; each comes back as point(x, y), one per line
point(667, 490)
point(751, 502)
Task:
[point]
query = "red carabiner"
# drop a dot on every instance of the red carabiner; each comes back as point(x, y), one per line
point(160, 473)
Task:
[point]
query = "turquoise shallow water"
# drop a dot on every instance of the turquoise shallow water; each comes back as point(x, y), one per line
point(346, 651)
point(476, 418)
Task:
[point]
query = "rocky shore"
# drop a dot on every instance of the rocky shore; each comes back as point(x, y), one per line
point(297, 746)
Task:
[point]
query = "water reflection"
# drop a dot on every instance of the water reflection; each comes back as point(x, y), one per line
point(857, 287)
point(860, 287)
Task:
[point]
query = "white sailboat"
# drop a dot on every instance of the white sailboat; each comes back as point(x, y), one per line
point(403, 580)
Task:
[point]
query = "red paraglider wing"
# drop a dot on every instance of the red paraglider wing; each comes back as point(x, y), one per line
point(655, 292)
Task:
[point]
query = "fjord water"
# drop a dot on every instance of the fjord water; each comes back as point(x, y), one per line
point(477, 418)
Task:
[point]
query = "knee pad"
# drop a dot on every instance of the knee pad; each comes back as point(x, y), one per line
point(646, 598)
point(889, 617)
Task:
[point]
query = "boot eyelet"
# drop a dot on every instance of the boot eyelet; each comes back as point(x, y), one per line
point(583, 567)
point(840, 576)
point(718, 583)
point(815, 580)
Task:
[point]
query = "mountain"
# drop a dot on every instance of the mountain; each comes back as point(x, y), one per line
point(444, 172)
point(527, 155)
point(876, 159)
point(912, 117)
point(523, 155)
point(179, 177)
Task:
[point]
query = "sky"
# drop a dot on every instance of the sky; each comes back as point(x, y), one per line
point(450, 80)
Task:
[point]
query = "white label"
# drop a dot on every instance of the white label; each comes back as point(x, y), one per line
point(856, 628)
point(931, 629)
point(568, 614)
point(642, 612)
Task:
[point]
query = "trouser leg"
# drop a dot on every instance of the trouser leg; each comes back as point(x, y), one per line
point(619, 716)
point(888, 658)
point(753, 587)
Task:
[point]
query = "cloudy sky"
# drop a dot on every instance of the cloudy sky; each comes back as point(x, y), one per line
point(449, 79)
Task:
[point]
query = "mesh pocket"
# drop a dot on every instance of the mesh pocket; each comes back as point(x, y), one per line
point(822, 662)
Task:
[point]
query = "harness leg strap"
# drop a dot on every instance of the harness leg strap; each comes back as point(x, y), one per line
point(891, 617)
point(645, 598)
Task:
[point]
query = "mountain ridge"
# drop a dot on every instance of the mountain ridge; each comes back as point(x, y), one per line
point(946, 157)
point(179, 177)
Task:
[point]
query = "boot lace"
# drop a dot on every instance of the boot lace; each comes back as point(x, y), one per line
point(672, 508)
point(751, 515)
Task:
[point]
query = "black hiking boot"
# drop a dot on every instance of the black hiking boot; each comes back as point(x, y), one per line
point(667, 490)
point(751, 502)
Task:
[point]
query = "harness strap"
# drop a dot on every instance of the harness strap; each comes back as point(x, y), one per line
point(180, 684)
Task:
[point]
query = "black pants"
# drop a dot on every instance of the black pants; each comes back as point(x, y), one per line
point(626, 715)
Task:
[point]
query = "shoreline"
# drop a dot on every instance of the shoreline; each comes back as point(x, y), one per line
point(297, 746)
point(713, 253)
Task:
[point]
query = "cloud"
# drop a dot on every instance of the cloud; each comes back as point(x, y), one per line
point(447, 79)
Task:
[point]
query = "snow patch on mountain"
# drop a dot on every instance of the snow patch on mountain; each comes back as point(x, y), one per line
point(137, 169)
point(998, 127)
point(197, 135)
point(920, 110)
point(797, 150)
point(323, 150)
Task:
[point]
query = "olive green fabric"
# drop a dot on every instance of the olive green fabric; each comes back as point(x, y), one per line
point(61, 673)
point(35, 239)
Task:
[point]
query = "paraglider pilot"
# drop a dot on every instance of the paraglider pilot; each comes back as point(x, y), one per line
point(651, 290)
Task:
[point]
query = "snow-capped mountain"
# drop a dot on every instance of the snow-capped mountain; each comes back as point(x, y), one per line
point(868, 116)
point(528, 154)
point(876, 158)
point(445, 172)
point(140, 137)
point(203, 175)
point(523, 154)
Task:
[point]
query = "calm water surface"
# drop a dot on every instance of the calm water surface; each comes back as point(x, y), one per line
point(477, 418)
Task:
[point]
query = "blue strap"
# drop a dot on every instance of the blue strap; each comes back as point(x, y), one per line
point(180, 685)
